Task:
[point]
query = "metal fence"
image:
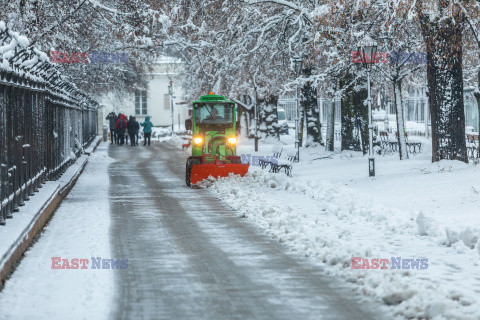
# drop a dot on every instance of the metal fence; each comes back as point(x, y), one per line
point(289, 103)
point(45, 122)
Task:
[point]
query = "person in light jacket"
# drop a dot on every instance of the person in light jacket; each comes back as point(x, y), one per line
point(147, 130)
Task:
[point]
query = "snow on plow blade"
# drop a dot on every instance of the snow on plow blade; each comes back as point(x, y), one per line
point(203, 171)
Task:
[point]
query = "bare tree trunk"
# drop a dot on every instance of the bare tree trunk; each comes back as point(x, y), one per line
point(246, 102)
point(330, 145)
point(360, 112)
point(301, 119)
point(271, 116)
point(251, 116)
point(310, 107)
point(443, 37)
point(402, 143)
point(477, 97)
point(262, 118)
point(349, 140)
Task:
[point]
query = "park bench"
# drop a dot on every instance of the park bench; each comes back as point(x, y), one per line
point(387, 145)
point(277, 152)
point(278, 164)
point(384, 141)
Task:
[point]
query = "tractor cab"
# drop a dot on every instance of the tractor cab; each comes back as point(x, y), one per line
point(214, 139)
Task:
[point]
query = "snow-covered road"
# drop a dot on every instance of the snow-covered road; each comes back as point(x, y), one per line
point(186, 255)
point(191, 257)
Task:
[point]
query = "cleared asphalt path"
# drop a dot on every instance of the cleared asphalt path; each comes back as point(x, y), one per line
point(190, 257)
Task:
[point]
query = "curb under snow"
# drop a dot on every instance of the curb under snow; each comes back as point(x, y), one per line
point(43, 212)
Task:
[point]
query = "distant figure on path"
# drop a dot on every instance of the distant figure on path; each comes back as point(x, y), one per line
point(121, 126)
point(117, 136)
point(112, 118)
point(131, 130)
point(147, 130)
point(137, 130)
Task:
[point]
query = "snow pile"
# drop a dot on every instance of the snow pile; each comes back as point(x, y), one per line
point(175, 140)
point(167, 131)
point(333, 223)
point(79, 229)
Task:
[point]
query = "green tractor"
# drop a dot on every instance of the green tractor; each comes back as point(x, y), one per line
point(214, 140)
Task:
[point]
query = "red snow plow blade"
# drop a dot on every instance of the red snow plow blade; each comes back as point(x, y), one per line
point(203, 171)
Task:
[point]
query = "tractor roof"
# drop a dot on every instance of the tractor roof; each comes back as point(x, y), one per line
point(213, 97)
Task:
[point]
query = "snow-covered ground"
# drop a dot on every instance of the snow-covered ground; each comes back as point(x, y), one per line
point(332, 211)
point(79, 230)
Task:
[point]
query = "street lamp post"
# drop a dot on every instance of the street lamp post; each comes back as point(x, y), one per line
point(256, 120)
point(388, 108)
point(368, 48)
point(170, 92)
point(297, 65)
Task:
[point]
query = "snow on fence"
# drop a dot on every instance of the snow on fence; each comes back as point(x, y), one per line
point(44, 121)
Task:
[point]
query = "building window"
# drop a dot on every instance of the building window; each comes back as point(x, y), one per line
point(144, 102)
point(141, 103)
point(137, 102)
point(166, 101)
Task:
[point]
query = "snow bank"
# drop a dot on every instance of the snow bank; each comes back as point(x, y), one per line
point(332, 223)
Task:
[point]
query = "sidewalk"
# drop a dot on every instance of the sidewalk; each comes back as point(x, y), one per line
point(20, 231)
point(79, 230)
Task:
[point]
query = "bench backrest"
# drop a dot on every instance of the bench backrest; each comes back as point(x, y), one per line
point(291, 153)
point(277, 151)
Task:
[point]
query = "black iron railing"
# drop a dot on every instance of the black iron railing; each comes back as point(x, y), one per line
point(45, 122)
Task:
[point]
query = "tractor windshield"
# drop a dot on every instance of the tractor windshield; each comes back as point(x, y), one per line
point(214, 113)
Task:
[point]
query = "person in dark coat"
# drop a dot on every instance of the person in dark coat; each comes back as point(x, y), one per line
point(121, 127)
point(131, 130)
point(112, 118)
point(137, 130)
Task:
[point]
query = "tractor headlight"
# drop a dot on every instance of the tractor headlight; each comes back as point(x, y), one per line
point(232, 140)
point(197, 140)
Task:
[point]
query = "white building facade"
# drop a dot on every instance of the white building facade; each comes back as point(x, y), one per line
point(162, 107)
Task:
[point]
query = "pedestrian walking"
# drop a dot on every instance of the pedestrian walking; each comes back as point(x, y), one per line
point(147, 130)
point(137, 130)
point(120, 127)
point(131, 130)
point(112, 118)
point(117, 136)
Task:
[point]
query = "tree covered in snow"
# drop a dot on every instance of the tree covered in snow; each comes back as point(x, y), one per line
point(244, 49)
point(472, 50)
point(397, 35)
point(86, 26)
point(442, 24)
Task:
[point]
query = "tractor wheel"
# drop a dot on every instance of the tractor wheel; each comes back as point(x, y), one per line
point(188, 170)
